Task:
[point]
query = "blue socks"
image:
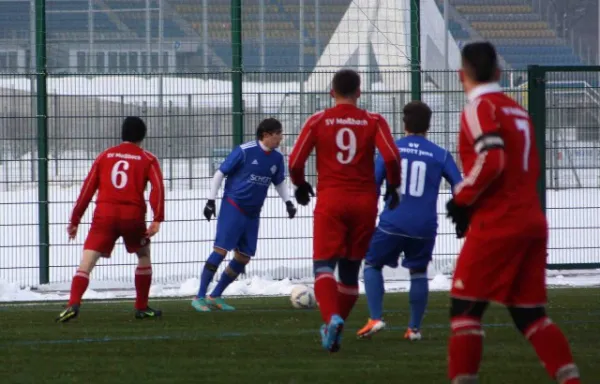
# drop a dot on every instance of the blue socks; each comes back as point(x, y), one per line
point(227, 278)
point(418, 295)
point(374, 290)
point(208, 272)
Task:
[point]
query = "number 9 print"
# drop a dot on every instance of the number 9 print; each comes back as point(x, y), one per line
point(345, 140)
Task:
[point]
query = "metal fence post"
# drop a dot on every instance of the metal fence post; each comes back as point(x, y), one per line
point(42, 140)
point(536, 100)
point(236, 71)
point(415, 49)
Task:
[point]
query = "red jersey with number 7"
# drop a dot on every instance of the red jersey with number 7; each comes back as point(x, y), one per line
point(497, 149)
point(120, 175)
point(345, 138)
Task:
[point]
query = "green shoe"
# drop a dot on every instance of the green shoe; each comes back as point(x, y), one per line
point(219, 303)
point(147, 313)
point(200, 304)
point(68, 313)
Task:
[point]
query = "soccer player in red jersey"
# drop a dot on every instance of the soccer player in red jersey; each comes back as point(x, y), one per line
point(120, 175)
point(345, 138)
point(497, 207)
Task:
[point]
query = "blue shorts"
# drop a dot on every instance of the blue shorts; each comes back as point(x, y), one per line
point(386, 248)
point(236, 231)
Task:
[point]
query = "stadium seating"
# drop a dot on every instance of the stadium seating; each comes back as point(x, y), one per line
point(282, 25)
point(14, 19)
point(521, 35)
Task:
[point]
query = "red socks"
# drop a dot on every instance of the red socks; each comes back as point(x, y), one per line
point(143, 280)
point(326, 293)
point(553, 350)
point(465, 349)
point(347, 296)
point(80, 282)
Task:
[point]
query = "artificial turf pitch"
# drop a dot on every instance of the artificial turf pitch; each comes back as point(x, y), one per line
point(266, 341)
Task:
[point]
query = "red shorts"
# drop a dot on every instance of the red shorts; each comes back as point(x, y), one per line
point(510, 271)
point(106, 230)
point(343, 225)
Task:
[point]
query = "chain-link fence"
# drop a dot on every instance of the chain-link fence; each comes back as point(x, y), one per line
point(203, 79)
point(190, 130)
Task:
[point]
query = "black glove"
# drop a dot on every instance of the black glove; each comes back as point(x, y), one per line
point(391, 195)
point(210, 209)
point(303, 193)
point(459, 215)
point(291, 210)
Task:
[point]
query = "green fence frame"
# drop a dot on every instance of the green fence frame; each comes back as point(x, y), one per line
point(537, 77)
point(538, 90)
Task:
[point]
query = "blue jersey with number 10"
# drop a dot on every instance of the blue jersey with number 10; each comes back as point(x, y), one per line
point(424, 164)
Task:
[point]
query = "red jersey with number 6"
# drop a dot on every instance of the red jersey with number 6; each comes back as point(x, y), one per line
point(345, 138)
point(497, 149)
point(120, 175)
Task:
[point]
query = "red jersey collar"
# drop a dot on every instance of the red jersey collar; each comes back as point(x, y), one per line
point(483, 89)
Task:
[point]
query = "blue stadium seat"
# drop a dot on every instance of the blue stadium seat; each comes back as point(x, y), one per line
point(487, 2)
point(14, 18)
point(521, 36)
point(501, 20)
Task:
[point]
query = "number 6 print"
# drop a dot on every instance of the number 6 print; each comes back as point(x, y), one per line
point(118, 177)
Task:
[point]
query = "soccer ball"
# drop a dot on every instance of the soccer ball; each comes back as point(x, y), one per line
point(302, 296)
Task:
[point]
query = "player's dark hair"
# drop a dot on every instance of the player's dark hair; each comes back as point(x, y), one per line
point(346, 82)
point(480, 61)
point(269, 125)
point(133, 129)
point(417, 117)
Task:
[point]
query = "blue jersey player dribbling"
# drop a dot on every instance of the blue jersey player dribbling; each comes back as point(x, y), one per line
point(250, 169)
point(411, 227)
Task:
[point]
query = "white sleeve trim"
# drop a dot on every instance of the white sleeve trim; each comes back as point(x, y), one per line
point(216, 184)
point(282, 189)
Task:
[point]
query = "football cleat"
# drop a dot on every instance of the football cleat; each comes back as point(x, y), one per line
point(331, 334)
point(412, 334)
point(147, 313)
point(200, 304)
point(371, 328)
point(68, 313)
point(219, 303)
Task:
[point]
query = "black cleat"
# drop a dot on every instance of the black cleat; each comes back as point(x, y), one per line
point(147, 313)
point(68, 313)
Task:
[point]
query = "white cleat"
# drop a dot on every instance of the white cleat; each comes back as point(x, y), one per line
point(371, 328)
point(412, 335)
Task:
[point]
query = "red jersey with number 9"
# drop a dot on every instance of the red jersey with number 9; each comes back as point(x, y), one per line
point(497, 149)
point(345, 138)
point(120, 175)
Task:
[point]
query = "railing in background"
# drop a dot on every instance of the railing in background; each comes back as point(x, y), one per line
point(190, 130)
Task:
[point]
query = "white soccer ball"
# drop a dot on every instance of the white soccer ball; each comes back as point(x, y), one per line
point(303, 296)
